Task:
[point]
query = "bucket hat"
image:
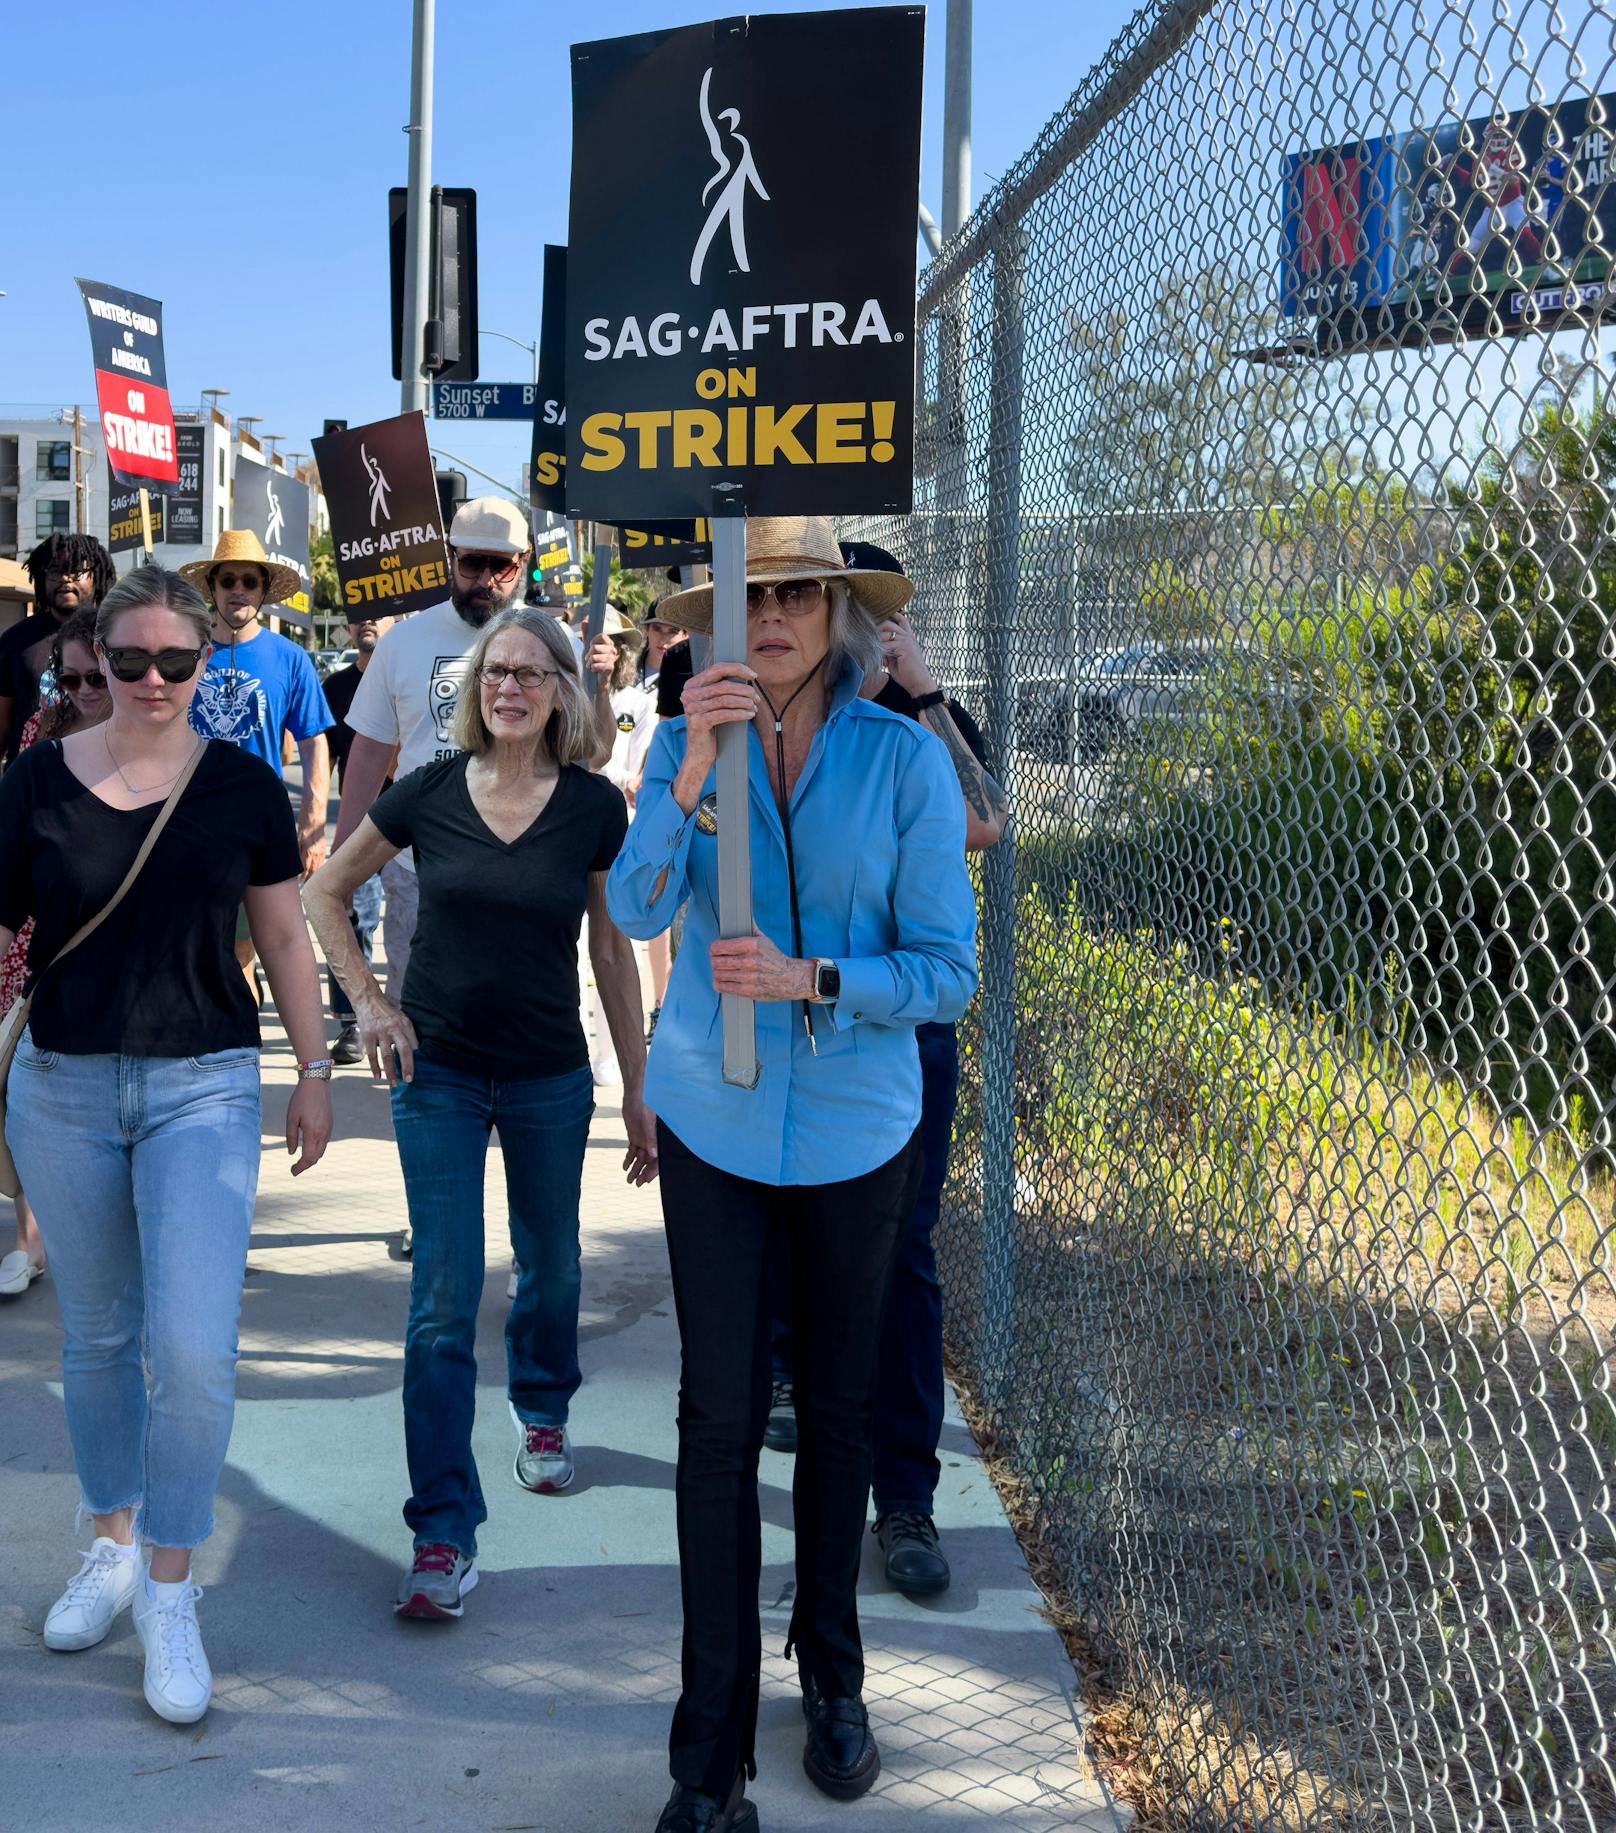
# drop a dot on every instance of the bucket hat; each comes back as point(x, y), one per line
point(792, 547)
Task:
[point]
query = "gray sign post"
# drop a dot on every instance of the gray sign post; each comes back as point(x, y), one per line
point(734, 796)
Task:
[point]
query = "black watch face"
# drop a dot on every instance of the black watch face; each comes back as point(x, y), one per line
point(830, 980)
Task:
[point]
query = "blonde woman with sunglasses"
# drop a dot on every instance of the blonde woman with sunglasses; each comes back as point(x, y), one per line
point(133, 1101)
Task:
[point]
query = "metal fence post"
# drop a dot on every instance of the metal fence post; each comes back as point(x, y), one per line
point(999, 863)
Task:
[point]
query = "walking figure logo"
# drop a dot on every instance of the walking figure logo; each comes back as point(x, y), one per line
point(732, 178)
point(379, 488)
point(276, 525)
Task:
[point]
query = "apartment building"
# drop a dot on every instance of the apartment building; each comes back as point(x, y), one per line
point(53, 477)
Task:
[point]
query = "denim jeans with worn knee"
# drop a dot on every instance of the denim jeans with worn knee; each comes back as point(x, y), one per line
point(142, 1172)
point(443, 1119)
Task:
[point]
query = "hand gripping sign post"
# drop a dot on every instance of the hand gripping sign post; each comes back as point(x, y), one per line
point(131, 390)
point(386, 523)
point(753, 355)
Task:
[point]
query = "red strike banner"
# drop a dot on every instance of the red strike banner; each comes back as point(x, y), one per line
point(131, 384)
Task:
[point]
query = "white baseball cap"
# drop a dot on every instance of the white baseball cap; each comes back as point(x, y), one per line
point(489, 525)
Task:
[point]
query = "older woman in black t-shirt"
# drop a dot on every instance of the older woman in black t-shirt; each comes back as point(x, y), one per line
point(512, 838)
point(133, 1101)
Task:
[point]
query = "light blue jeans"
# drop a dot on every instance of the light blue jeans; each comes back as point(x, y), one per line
point(142, 1172)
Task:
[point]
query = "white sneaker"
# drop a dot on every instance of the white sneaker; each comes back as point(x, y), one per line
point(179, 1682)
point(85, 1612)
point(18, 1273)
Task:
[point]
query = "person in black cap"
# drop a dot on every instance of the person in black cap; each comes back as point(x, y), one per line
point(909, 1395)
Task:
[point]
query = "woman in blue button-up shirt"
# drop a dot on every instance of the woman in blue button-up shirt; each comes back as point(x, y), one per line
point(819, 1161)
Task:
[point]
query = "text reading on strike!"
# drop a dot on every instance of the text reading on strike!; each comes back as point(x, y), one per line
point(704, 438)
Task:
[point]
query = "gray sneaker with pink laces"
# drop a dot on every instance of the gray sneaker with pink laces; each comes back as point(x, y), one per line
point(543, 1457)
point(438, 1579)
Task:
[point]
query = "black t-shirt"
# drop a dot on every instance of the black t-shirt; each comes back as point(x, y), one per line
point(899, 700)
point(339, 689)
point(159, 977)
point(492, 984)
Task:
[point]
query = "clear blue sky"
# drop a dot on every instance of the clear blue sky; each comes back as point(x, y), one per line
point(235, 165)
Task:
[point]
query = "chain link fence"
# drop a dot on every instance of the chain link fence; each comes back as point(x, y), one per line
point(1267, 523)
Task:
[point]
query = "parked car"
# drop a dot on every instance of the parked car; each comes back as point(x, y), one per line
point(328, 661)
point(1119, 693)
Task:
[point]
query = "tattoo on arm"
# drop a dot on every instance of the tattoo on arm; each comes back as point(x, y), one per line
point(985, 799)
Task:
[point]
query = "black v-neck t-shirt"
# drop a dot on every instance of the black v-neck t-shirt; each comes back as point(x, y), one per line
point(492, 984)
point(159, 977)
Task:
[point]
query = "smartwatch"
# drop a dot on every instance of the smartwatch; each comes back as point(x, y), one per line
point(827, 981)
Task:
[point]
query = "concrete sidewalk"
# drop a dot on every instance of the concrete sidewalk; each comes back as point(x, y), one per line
point(547, 1707)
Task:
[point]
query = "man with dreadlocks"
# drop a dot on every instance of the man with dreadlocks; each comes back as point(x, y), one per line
point(70, 573)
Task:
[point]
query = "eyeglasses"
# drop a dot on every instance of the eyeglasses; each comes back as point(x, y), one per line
point(174, 665)
point(69, 680)
point(64, 573)
point(496, 566)
point(525, 678)
point(796, 597)
point(249, 582)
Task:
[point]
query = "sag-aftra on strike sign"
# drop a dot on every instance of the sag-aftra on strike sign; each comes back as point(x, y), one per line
point(741, 266)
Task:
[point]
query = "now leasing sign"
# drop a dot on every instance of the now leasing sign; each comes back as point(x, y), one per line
point(131, 384)
point(757, 347)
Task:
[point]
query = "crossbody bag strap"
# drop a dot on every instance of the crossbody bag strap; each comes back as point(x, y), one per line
point(140, 859)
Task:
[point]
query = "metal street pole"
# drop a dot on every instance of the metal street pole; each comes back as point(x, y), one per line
point(78, 469)
point(957, 119)
point(417, 213)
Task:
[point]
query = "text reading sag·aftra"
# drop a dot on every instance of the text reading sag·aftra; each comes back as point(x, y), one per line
point(388, 541)
point(668, 335)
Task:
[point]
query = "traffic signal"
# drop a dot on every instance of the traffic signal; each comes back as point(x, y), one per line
point(451, 494)
point(451, 306)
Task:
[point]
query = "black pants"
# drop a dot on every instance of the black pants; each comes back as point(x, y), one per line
point(841, 1240)
point(909, 1389)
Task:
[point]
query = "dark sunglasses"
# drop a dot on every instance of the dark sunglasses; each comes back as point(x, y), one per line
point(69, 680)
point(496, 566)
point(794, 596)
point(249, 582)
point(174, 665)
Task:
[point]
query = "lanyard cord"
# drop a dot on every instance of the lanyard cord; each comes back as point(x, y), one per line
point(783, 803)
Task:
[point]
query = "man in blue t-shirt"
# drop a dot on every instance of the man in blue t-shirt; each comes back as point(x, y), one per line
point(259, 686)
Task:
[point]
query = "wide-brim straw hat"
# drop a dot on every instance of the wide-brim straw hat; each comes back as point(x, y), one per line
point(791, 547)
point(241, 547)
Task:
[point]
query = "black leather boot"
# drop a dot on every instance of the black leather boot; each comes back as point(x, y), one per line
point(916, 1563)
point(690, 1811)
point(840, 1756)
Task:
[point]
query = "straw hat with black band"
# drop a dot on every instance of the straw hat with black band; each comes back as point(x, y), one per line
point(791, 547)
point(241, 547)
